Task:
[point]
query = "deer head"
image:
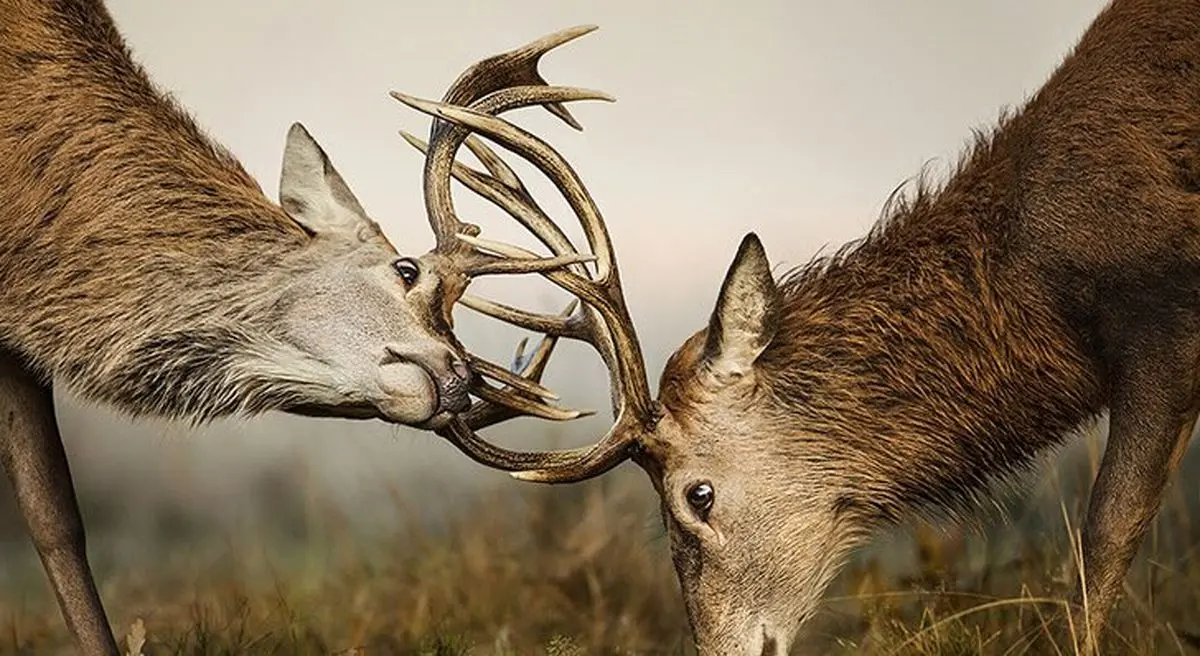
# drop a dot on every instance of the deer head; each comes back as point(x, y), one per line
point(358, 312)
point(750, 574)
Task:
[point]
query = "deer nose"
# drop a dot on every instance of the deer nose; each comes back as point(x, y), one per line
point(455, 387)
point(770, 646)
point(448, 372)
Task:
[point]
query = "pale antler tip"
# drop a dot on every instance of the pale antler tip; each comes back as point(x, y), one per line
point(519, 361)
point(533, 475)
point(558, 110)
point(414, 141)
point(424, 106)
point(552, 41)
point(453, 113)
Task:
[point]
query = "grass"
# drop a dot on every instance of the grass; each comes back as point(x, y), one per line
point(584, 570)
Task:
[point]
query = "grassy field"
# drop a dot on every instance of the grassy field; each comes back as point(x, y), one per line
point(584, 570)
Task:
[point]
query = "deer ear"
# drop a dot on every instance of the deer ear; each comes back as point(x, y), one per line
point(313, 194)
point(746, 315)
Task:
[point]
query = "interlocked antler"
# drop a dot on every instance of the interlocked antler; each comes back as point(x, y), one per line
point(491, 87)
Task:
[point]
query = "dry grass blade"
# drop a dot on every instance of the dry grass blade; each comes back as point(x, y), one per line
point(972, 610)
point(136, 639)
point(585, 562)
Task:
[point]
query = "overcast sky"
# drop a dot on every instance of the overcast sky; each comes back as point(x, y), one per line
point(794, 119)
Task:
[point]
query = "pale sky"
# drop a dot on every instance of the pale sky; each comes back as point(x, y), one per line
point(791, 118)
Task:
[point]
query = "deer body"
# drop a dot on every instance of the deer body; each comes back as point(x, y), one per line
point(1053, 277)
point(143, 268)
point(1056, 275)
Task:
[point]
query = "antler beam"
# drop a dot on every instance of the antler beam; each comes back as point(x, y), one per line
point(496, 85)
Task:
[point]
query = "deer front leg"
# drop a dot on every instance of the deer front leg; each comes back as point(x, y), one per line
point(32, 453)
point(1149, 429)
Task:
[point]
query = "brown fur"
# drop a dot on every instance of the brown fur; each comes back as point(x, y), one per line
point(1056, 275)
point(143, 268)
point(99, 167)
point(139, 262)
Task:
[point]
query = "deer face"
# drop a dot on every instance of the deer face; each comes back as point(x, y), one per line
point(372, 326)
point(753, 546)
point(754, 540)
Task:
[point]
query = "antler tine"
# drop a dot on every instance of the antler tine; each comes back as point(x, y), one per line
point(568, 465)
point(604, 293)
point(440, 165)
point(504, 189)
point(557, 326)
point(489, 88)
point(518, 67)
point(500, 374)
point(500, 405)
point(519, 203)
point(460, 432)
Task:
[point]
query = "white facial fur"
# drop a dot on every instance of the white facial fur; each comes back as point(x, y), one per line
point(371, 338)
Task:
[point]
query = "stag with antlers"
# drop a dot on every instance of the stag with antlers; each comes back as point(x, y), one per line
point(1053, 277)
point(141, 267)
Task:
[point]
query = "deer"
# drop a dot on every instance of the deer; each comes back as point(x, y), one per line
point(142, 268)
point(1053, 277)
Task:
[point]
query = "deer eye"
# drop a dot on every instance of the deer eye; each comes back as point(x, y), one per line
point(407, 269)
point(700, 498)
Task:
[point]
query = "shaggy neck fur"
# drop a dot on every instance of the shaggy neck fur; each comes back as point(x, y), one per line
point(922, 357)
point(134, 252)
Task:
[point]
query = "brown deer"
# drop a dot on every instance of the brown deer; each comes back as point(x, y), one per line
point(1053, 277)
point(143, 268)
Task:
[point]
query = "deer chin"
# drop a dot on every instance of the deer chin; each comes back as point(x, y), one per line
point(756, 639)
point(410, 395)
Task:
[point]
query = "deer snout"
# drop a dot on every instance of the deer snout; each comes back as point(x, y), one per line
point(753, 638)
point(447, 371)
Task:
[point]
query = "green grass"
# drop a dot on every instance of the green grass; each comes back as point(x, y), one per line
point(584, 570)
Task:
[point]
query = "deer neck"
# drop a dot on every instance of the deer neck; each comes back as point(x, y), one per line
point(921, 358)
point(122, 223)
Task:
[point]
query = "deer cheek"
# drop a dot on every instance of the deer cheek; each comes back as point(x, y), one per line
point(409, 394)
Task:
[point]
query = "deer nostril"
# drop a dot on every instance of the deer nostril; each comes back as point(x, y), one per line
point(770, 647)
point(460, 369)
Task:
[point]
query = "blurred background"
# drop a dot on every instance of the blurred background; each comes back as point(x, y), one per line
point(794, 119)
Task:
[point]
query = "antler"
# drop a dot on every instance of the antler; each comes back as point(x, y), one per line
point(506, 73)
point(493, 86)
